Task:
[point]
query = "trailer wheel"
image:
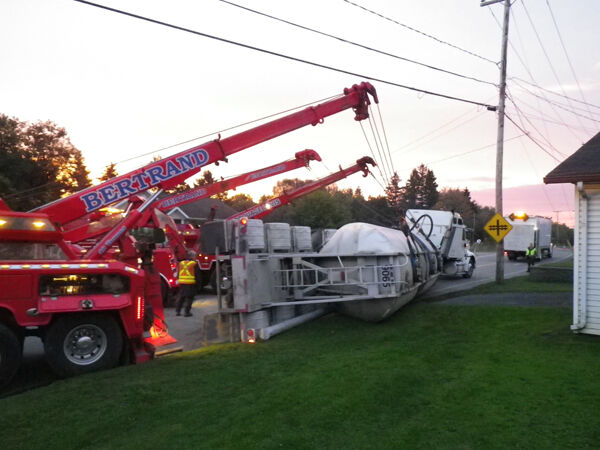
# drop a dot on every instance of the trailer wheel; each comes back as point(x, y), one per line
point(11, 352)
point(82, 343)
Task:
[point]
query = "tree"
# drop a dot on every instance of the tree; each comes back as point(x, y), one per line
point(287, 184)
point(420, 191)
point(109, 173)
point(38, 163)
point(206, 179)
point(240, 202)
point(393, 191)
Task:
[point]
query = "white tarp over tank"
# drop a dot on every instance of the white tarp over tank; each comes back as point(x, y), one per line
point(366, 239)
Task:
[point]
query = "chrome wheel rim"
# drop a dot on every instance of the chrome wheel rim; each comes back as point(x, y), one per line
point(85, 344)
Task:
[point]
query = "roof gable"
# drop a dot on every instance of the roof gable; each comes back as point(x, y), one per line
point(583, 165)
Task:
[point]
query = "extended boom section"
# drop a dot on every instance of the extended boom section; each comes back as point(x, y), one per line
point(260, 211)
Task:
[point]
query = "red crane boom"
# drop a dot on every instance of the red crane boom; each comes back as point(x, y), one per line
point(260, 211)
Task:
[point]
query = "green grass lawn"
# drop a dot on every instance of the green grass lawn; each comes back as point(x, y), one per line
point(433, 376)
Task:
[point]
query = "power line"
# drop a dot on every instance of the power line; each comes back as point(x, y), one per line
point(431, 132)
point(555, 93)
point(566, 53)
point(526, 133)
point(436, 137)
point(422, 33)
point(226, 129)
point(359, 45)
point(545, 53)
point(534, 127)
point(281, 55)
point(543, 119)
point(525, 66)
point(562, 105)
point(471, 151)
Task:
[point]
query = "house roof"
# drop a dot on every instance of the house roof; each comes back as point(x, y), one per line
point(583, 165)
point(200, 209)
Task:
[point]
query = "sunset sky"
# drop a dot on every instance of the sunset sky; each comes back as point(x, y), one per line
point(124, 88)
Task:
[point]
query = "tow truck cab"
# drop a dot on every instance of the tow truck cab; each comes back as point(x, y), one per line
point(89, 313)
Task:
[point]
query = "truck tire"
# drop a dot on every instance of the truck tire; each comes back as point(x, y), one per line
point(83, 343)
point(469, 273)
point(11, 352)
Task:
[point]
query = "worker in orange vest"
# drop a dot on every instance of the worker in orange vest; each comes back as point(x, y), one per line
point(188, 274)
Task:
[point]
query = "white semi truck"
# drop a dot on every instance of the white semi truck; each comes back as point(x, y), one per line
point(447, 231)
point(527, 230)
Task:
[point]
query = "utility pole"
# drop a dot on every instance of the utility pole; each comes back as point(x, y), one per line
point(500, 138)
point(557, 226)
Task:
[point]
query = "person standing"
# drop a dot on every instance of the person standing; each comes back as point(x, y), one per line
point(530, 254)
point(188, 274)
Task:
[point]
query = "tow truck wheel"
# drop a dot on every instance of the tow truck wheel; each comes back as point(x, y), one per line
point(82, 343)
point(11, 351)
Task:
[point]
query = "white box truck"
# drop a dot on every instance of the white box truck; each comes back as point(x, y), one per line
point(527, 230)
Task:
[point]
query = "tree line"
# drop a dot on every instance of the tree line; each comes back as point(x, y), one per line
point(39, 164)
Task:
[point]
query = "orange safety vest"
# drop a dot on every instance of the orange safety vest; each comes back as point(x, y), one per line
point(186, 272)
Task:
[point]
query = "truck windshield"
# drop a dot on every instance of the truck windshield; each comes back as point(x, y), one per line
point(83, 284)
point(30, 251)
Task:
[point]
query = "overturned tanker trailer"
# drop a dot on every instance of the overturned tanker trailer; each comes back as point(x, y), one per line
point(270, 279)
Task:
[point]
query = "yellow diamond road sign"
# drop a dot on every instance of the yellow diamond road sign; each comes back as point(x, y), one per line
point(497, 227)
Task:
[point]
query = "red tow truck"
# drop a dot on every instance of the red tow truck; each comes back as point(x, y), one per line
point(93, 312)
point(179, 239)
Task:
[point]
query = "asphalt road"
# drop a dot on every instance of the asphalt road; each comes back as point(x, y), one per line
point(485, 272)
point(35, 372)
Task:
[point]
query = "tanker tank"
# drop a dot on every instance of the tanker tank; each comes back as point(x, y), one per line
point(407, 265)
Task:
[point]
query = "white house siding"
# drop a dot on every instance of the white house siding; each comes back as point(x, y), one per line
point(586, 292)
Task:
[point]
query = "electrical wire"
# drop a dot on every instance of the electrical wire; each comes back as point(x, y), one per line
point(509, 96)
point(566, 54)
point(356, 44)
point(561, 105)
point(471, 151)
point(438, 136)
point(545, 52)
point(281, 55)
point(422, 33)
point(552, 92)
point(227, 129)
point(525, 66)
point(531, 138)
